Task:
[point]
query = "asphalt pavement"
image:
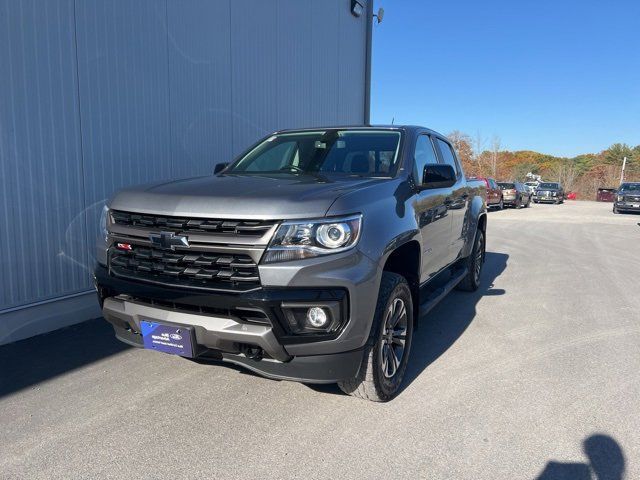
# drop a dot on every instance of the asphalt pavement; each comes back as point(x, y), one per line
point(537, 375)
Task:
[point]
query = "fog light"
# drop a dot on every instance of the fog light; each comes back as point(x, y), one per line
point(317, 317)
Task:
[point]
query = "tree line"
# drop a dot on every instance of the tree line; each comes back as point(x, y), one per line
point(582, 174)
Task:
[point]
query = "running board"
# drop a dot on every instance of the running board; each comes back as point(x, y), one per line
point(434, 297)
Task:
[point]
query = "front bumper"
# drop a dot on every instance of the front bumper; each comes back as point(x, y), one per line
point(627, 206)
point(232, 326)
point(546, 199)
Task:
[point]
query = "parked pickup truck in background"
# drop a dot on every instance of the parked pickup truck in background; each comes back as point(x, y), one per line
point(551, 192)
point(309, 258)
point(627, 198)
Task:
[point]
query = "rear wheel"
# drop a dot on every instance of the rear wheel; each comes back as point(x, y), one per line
point(501, 204)
point(474, 262)
point(528, 204)
point(385, 358)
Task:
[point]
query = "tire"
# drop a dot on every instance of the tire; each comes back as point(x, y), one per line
point(380, 377)
point(501, 204)
point(615, 210)
point(518, 203)
point(471, 282)
point(528, 204)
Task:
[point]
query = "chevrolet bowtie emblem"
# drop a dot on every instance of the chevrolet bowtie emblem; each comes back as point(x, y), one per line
point(168, 240)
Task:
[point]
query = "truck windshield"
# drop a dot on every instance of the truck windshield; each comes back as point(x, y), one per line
point(507, 186)
point(362, 153)
point(548, 185)
point(627, 187)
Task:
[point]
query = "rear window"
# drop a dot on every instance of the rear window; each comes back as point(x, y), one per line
point(504, 185)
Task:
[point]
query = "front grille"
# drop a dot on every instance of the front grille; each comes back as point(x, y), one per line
point(631, 198)
point(194, 225)
point(192, 269)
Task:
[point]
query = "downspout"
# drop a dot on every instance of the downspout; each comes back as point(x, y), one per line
point(367, 66)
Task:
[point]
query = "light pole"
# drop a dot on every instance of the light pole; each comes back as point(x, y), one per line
point(624, 164)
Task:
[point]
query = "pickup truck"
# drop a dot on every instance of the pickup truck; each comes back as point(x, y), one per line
point(312, 257)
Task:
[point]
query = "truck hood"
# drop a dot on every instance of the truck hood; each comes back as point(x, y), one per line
point(281, 196)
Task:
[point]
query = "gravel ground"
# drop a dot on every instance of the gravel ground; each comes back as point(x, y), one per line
point(535, 376)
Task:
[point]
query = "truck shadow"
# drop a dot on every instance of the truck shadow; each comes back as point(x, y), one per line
point(442, 326)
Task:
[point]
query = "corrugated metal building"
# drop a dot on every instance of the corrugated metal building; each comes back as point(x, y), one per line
point(96, 95)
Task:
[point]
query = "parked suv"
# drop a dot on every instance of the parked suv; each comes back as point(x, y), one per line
point(515, 194)
point(627, 198)
point(551, 192)
point(494, 192)
point(308, 258)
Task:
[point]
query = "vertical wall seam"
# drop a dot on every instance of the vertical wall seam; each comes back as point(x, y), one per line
point(231, 107)
point(172, 159)
point(82, 159)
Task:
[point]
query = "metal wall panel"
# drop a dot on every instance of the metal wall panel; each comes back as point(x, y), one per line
point(41, 188)
point(200, 85)
point(253, 70)
point(124, 97)
point(97, 95)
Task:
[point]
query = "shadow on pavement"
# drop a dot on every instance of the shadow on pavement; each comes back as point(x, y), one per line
point(41, 358)
point(441, 327)
point(605, 462)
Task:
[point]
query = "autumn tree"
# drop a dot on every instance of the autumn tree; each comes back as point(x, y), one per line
point(462, 144)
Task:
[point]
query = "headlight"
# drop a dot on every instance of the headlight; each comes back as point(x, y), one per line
point(103, 222)
point(295, 240)
point(620, 198)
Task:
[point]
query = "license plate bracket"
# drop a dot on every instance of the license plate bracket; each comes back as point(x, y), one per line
point(172, 339)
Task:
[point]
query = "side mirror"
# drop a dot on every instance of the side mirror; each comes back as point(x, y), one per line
point(438, 175)
point(219, 167)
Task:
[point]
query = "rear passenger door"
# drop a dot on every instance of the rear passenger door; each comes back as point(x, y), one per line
point(456, 202)
point(431, 212)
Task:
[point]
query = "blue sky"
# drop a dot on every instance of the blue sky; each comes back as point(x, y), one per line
point(557, 77)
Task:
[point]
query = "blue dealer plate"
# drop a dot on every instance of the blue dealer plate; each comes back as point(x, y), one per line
point(167, 338)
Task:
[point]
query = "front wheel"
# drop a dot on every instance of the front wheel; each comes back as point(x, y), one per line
point(385, 357)
point(528, 203)
point(501, 204)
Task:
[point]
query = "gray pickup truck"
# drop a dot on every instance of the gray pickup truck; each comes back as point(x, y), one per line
point(311, 257)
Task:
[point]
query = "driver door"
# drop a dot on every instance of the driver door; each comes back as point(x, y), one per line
point(432, 213)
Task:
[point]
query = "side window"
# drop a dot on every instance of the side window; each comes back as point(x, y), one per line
point(494, 185)
point(424, 154)
point(448, 156)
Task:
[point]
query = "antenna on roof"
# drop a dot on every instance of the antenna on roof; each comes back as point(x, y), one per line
point(393, 119)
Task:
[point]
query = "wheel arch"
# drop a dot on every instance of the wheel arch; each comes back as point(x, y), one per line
point(405, 260)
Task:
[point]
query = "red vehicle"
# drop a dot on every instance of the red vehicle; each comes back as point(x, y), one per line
point(606, 195)
point(494, 193)
point(572, 196)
